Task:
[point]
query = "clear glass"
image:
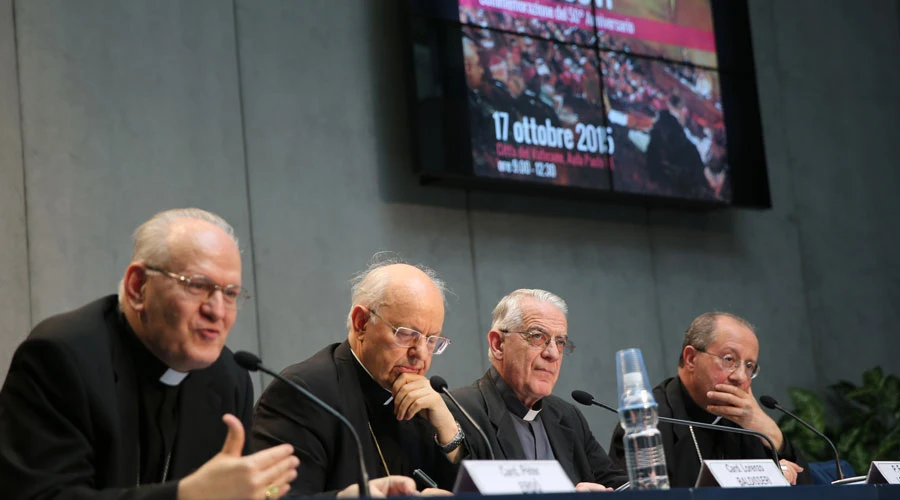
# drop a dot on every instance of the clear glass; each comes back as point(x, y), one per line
point(645, 458)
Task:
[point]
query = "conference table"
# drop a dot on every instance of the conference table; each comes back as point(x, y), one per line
point(816, 492)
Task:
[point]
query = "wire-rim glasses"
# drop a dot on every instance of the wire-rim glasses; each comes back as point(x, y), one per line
point(408, 337)
point(730, 364)
point(200, 286)
point(542, 339)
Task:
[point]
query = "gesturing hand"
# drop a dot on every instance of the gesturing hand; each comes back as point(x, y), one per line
point(264, 475)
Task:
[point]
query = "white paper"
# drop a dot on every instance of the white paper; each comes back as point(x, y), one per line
point(503, 477)
point(744, 473)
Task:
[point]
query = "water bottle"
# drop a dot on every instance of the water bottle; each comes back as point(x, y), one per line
point(645, 458)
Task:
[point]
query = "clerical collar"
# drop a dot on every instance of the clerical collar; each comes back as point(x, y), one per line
point(694, 411)
point(149, 366)
point(173, 377)
point(513, 404)
point(367, 388)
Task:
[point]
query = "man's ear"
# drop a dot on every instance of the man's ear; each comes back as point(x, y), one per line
point(689, 356)
point(359, 318)
point(495, 344)
point(133, 284)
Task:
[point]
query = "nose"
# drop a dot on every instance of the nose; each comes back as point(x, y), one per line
point(739, 376)
point(214, 306)
point(419, 349)
point(551, 352)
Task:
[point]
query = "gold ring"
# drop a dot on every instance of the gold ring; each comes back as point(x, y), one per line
point(272, 491)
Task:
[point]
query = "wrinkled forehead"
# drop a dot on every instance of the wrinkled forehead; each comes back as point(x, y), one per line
point(733, 337)
point(423, 312)
point(542, 316)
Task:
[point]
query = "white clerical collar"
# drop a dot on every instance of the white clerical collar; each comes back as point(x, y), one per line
point(391, 398)
point(172, 377)
point(531, 415)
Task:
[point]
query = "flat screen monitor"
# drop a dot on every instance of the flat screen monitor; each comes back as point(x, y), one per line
point(645, 100)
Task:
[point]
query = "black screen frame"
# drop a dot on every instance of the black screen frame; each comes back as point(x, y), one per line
point(440, 127)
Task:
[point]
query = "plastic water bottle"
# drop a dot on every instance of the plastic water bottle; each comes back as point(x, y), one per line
point(645, 458)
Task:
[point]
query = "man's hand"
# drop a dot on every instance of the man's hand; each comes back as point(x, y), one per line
point(412, 395)
point(790, 470)
point(741, 407)
point(586, 487)
point(435, 492)
point(261, 476)
point(387, 486)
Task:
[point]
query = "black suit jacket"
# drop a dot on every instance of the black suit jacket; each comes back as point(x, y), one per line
point(327, 451)
point(574, 446)
point(681, 454)
point(69, 414)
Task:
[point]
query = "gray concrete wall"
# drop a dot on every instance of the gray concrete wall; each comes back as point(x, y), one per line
point(289, 118)
point(15, 314)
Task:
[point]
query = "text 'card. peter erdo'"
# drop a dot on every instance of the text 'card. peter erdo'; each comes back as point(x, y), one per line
point(503, 477)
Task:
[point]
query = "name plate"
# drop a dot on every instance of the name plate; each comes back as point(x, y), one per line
point(884, 473)
point(741, 474)
point(504, 477)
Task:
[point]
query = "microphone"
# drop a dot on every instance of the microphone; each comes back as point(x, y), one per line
point(440, 385)
point(772, 404)
point(588, 400)
point(251, 362)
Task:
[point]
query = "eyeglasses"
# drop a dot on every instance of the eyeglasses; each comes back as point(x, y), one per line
point(200, 286)
point(543, 339)
point(730, 364)
point(407, 337)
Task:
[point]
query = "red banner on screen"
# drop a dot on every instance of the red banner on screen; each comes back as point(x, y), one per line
point(574, 15)
point(656, 31)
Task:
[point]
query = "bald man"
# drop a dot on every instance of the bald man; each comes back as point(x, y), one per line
point(376, 378)
point(719, 359)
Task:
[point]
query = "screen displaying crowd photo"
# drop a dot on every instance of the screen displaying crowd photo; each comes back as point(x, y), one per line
point(606, 95)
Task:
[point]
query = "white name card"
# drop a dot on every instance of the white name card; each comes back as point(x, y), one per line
point(504, 477)
point(741, 474)
point(884, 473)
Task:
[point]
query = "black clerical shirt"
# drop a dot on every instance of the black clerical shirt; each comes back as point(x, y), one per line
point(158, 412)
point(398, 442)
point(714, 445)
point(527, 421)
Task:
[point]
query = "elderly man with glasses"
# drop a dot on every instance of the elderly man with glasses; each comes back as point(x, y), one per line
point(513, 404)
point(135, 396)
point(376, 378)
point(718, 361)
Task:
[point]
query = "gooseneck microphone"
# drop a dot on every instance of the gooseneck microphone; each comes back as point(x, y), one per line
point(251, 362)
point(440, 385)
point(772, 404)
point(588, 400)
